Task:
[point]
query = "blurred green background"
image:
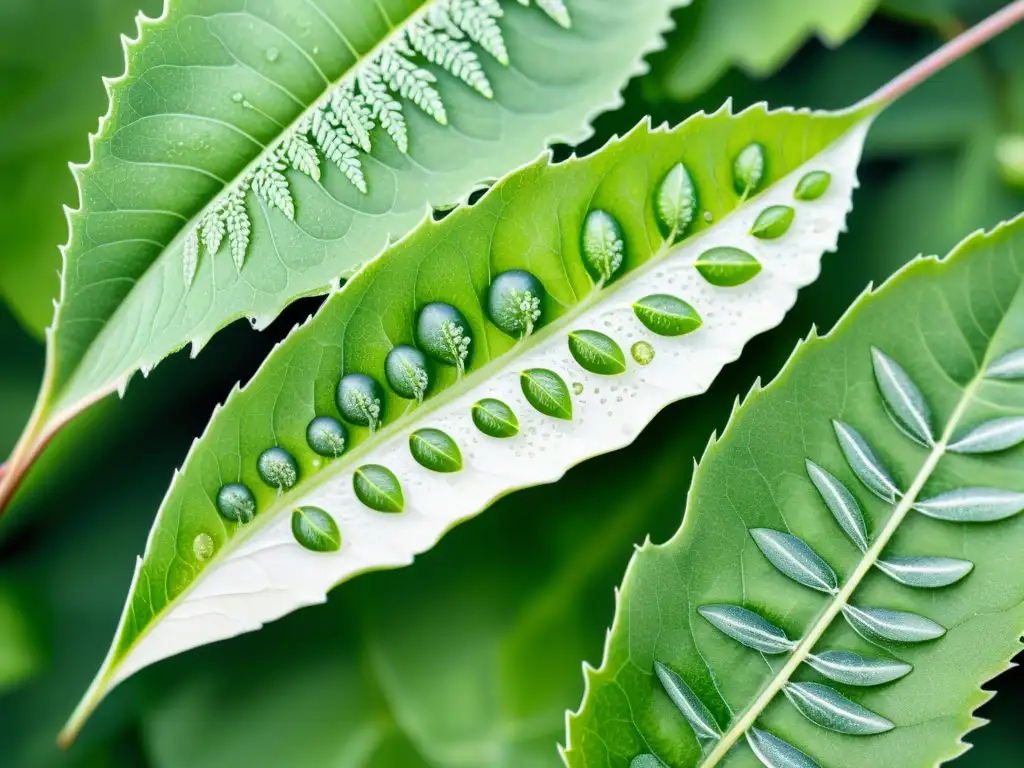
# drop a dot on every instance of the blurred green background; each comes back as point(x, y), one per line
point(470, 658)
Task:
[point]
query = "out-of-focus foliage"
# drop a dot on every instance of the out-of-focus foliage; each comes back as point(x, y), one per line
point(469, 658)
point(52, 56)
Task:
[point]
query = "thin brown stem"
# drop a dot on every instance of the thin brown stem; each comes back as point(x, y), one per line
point(952, 51)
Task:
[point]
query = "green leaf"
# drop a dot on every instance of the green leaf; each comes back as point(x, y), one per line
point(253, 157)
point(943, 323)
point(315, 529)
point(757, 36)
point(435, 450)
point(442, 274)
point(597, 352)
point(667, 315)
point(725, 266)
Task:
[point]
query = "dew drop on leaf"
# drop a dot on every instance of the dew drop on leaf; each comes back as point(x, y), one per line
point(727, 267)
point(407, 372)
point(443, 333)
point(813, 185)
point(925, 572)
point(494, 418)
point(596, 352)
point(746, 627)
point(642, 352)
point(876, 624)
point(326, 436)
point(773, 752)
point(315, 529)
point(675, 203)
point(203, 547)
point(378, 488)
point(748, 169)
point(238, 97)
point(514, 302)
point(851, 668)
point(794, 558)
point(692, 708)
point(826, 707)
point(1009, 367)
point(865, 463)
point(773, 222)
point(435, 450)
point(546, 391)
point(272, 54)
point(236, 503)
point(666, 315)
point(972, 505)
point(277, 468)
point(841, 504)
point(577, 388)
point(904, 402)
point(991, 436)
point(602, 246)
point(361, 400)
point(646, 761)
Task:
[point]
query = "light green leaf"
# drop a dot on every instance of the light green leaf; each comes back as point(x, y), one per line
point(943, 322)
point(757, 36)
point(442, 273)
point(253, 156)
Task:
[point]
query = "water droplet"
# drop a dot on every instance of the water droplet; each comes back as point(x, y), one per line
point(514, 302)
point(316, 49)
point(642, 352)
point(237, 97)
point(326, 436)
point(748, 169)
point(494, 418)
point(277, 468)
point(443, 333)
point(236, 503)
point(577, 388)
point(361, 400)
point(273, 54)
point(203, 547)
point(1009, 153)
point(708, 217)
point(602, 246)
point(315, 529)
point(675, 203)
point(407, 372)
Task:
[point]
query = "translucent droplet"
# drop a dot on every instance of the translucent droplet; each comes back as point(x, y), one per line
point(203, 547)
point(577, 388)
point(407, 372)
point(602, 246)
point(277, 468)
point(361, 400)
point(326, 436)
point(272, 54)
point(237, 97)
point(236, 503)
point(1009, 153)
point(748, 169)
point(514, 302)
point(642, 352)
point(443, 333)
point(708, 217)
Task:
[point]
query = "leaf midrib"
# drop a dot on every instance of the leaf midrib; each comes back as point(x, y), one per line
point(868, 561)
point(193, 222)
